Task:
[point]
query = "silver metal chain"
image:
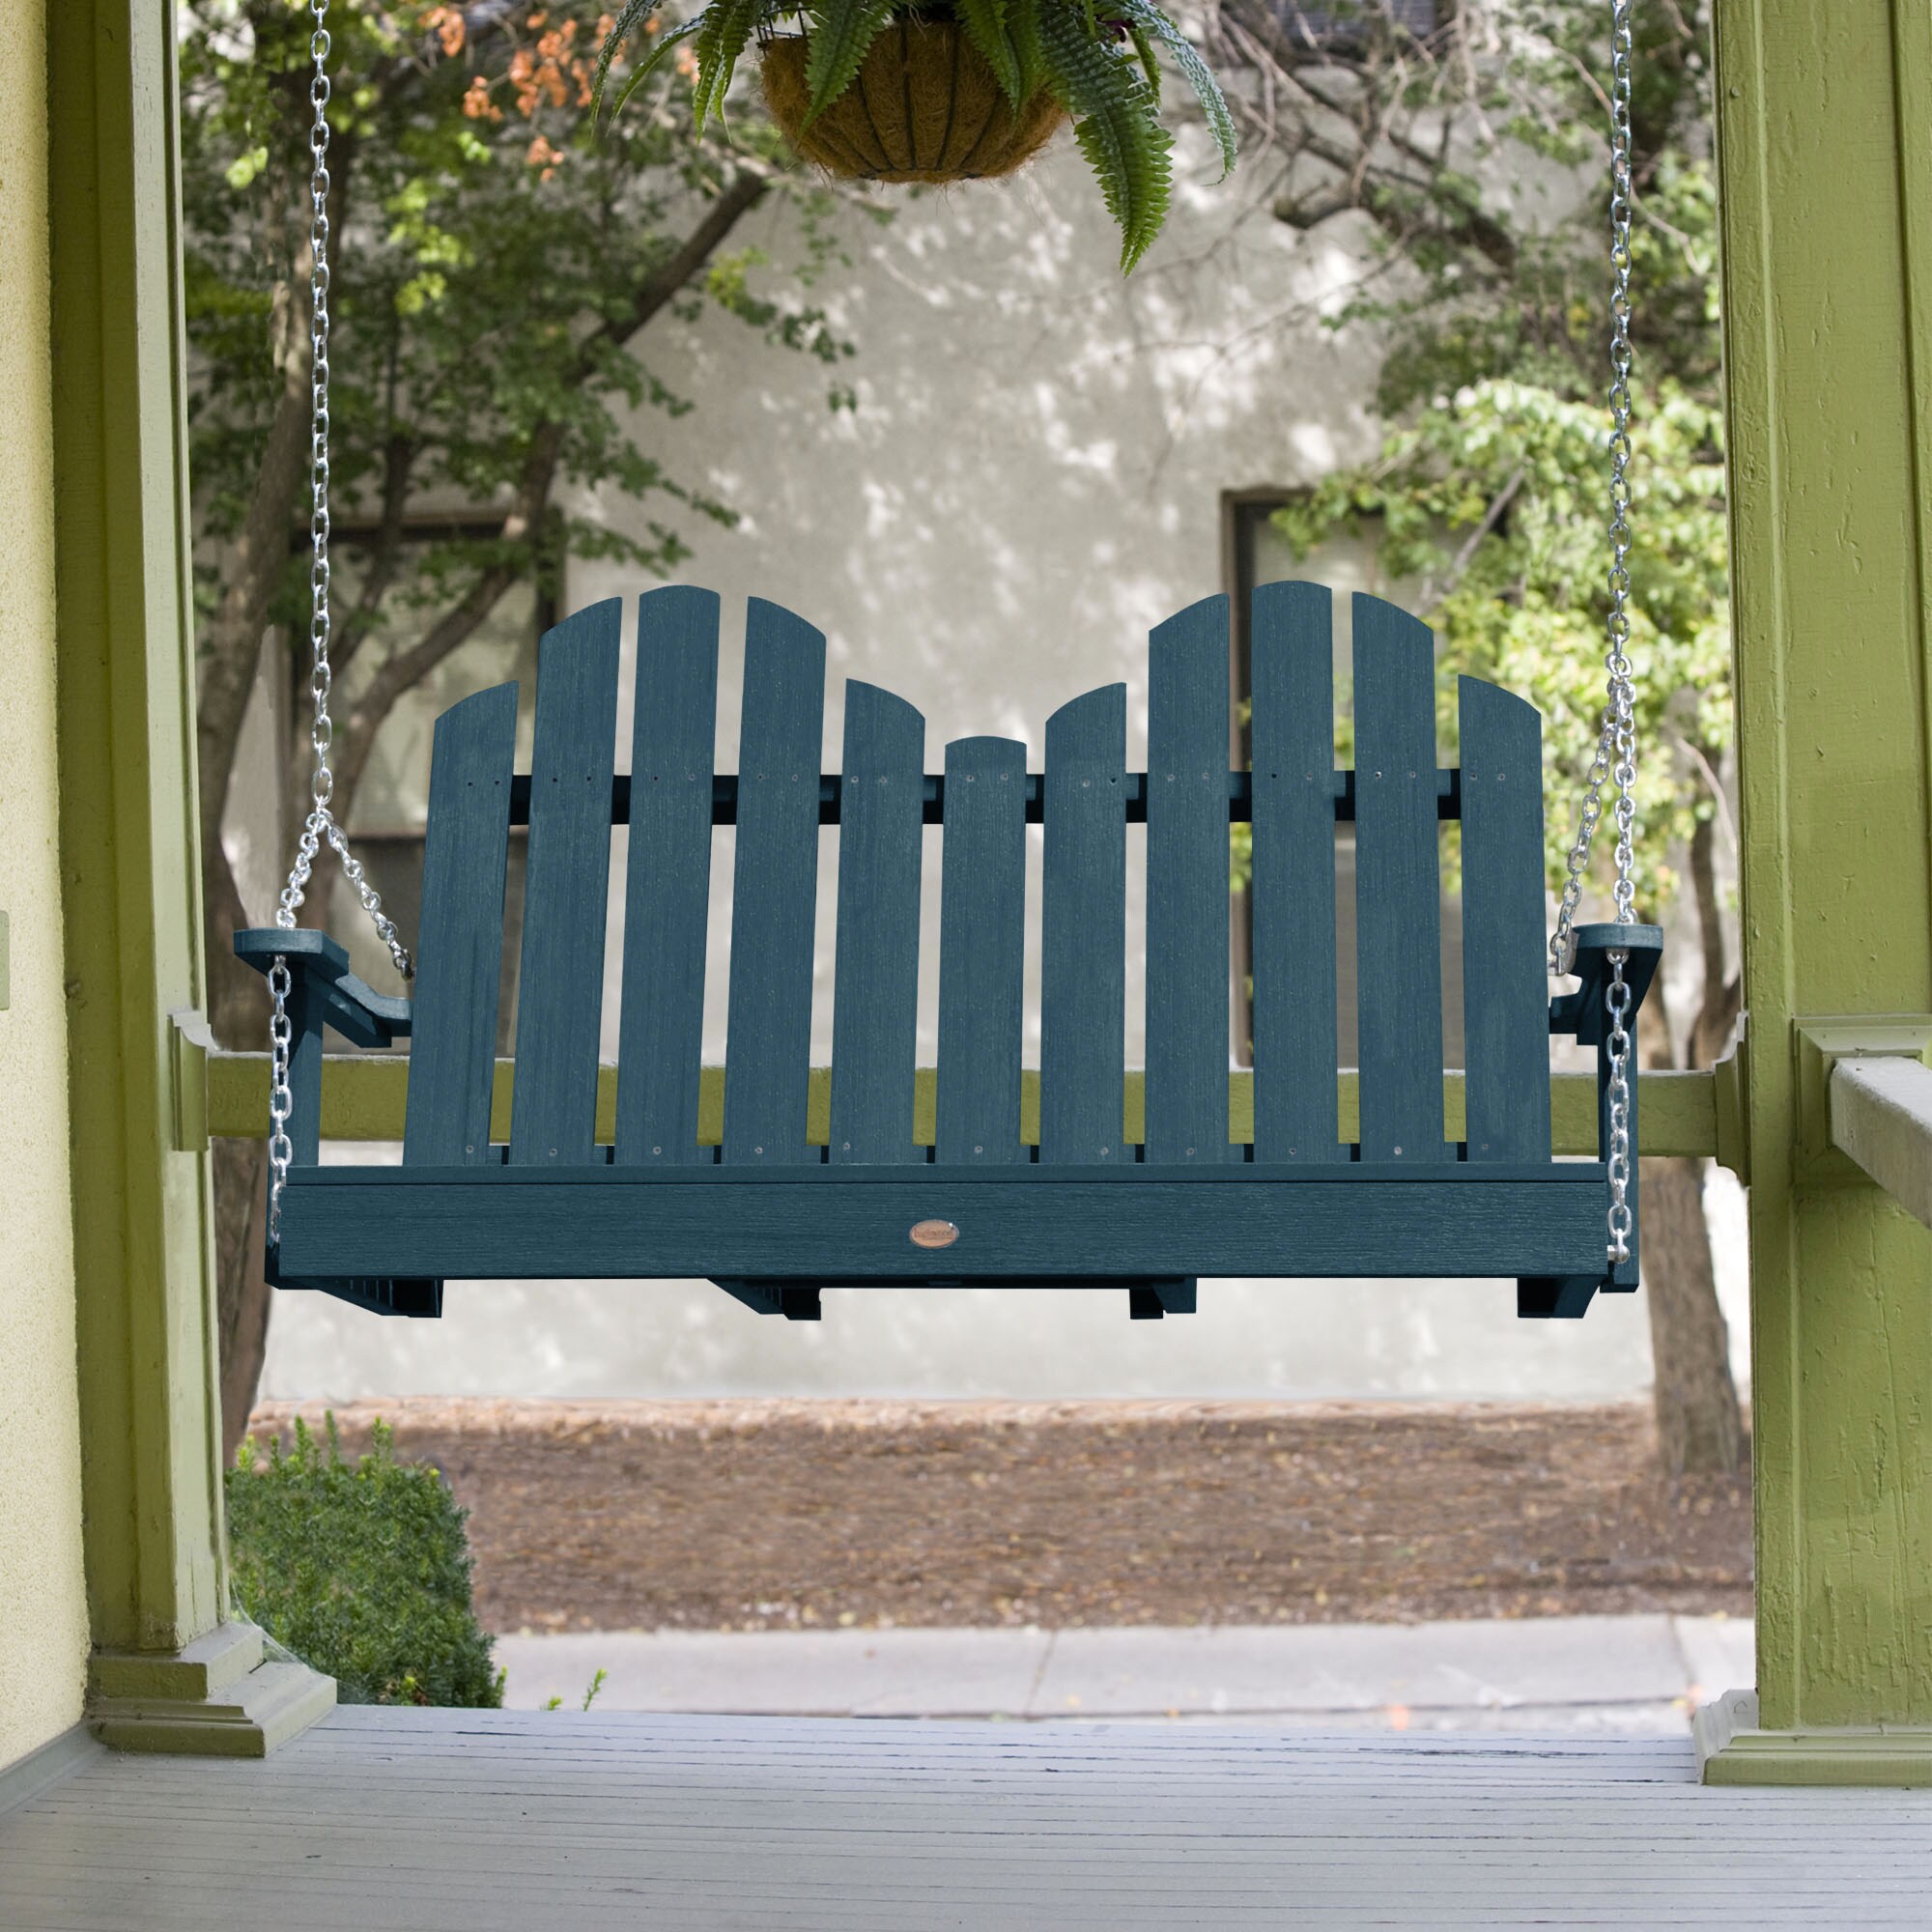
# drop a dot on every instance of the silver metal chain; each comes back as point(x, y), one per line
point(1617, 998)
point(321, 823)
point(1616, 744)
point(281, 1102)
point(1615, 758)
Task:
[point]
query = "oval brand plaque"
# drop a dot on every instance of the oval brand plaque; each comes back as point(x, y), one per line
point(933, 1234)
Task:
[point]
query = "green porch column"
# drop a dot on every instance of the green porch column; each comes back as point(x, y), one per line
point(1825, 132)
point(168, 1671)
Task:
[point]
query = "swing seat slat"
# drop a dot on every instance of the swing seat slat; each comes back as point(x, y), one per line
point(772, 1219)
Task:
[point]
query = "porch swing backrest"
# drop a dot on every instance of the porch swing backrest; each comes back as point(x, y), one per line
point(671, 802)
point(770, 1215)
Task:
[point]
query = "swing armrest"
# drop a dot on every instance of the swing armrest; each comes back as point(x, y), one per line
point(1583, 1013)
point(319, 967)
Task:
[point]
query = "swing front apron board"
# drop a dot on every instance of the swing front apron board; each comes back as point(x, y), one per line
point(772, 1218)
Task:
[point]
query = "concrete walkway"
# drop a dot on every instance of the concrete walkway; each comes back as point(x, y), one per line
point(1627, 1675)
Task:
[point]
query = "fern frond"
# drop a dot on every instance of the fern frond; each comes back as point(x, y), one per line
point(727, 29)
point(984, 22)
point(1117, 124)
point(1145, 15)
point(842, 34)
point(627, 24)
point(1149, 66)
point(1023, 24)
point(659, 53)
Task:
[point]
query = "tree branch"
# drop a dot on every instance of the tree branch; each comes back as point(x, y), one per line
point(399, 455)
point(231, 641)
point(522, 524)
point(1718, 1010)
point(1467, 556)
point(746, 189)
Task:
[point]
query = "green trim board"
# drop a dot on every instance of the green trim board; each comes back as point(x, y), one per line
point(1734, 1749)
point(1822, 1042)
point(364, 1097)
point(1826, 213)
point(129, 869)
point(1882, 1118)
point(222, 1696)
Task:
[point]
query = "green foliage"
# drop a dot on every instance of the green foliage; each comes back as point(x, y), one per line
point(1099, 62)
point(1492, 501)
point(362, 1571)
point(1490, 491)
point(1148, 24)
point(725, 33)
point(491, 261)
point(1115, 119)
point(595, 1685)
point(841, 34)
point(988, 25)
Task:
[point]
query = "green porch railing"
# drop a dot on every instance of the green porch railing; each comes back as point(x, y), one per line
point(226, 1095)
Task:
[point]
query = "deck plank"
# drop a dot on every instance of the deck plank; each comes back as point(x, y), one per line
point(486, 1820)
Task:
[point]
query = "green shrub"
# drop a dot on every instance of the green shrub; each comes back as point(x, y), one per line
point(362, 1570)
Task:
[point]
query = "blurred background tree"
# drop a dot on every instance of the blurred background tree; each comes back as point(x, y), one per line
point(499, 272)
point(1491, 490)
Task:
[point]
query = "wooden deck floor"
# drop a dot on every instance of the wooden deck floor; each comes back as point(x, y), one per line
point(477, 1821)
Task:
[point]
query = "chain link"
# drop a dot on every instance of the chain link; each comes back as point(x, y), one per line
point(1615, 757)
point(321, 825)
point(281, 1103)
point(1617, 998)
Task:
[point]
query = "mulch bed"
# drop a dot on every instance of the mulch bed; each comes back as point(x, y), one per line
point(780, 1515)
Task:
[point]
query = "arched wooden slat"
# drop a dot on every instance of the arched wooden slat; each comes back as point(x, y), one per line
point(1292, 890)
point(460, 939)
point(773, 892)
point(566, 891)
point(1187, 887)
point(982, 952)
point(876, 993)
point(1083, 930)
point(1397, 886)
point(1505, 989)
point(667, 880)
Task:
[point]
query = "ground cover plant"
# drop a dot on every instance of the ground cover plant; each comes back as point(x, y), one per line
point(361, 1569)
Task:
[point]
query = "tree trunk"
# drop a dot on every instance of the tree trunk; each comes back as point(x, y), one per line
point(1699, 1427)
point(242, 1302)
point(238, 1014)
point(1699, 1423)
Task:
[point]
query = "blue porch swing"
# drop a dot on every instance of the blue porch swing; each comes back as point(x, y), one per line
point(774, 1219)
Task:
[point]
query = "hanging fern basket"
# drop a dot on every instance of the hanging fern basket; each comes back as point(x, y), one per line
point(925, 106)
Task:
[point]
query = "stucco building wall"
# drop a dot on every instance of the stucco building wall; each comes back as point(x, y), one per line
point(44, 1631)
